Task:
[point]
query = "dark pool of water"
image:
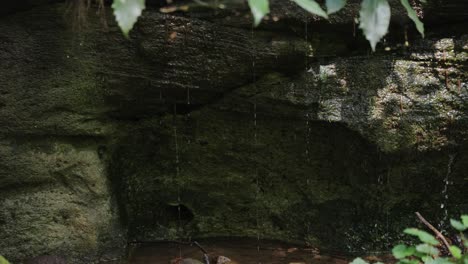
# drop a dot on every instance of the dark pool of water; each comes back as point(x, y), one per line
point(242, 251)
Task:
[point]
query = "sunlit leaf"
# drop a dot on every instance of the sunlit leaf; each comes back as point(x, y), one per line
point(259, 8)
point(422, 235)
point(402, 251)
point(311, 6)
point(456, 252)
point(412, 14)
point(412, 231)
point(170, 9)
point(3, 260)
point(457, 225)
point(374, 18)
point(465, 220)
point(358, 261)
point(428, 249)
point(126, 13)
point(334, 5)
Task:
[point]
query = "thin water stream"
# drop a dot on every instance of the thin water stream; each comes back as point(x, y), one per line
point(257, 186)
point(177, 175)
point(445, 196)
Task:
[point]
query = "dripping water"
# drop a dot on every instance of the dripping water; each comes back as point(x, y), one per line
point(307, 88)
point(307, 152)
point(384, 183)
point(387, 213)
point(445, 196)
point(188, 101)
point(187, 116)
point(188, 96)
point(177, 180)
point(307, 145)
point(257, 186)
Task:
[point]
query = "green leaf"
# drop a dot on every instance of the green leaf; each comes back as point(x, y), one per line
point(412, 14)
point(412, 231)
point(126, 13)
point(419, 254)
point(456, 252)
point(408, 261)
point(442, 261)
point(334, 5)
point(259, 8)
point(311, 6)
point(3, 260)
point(428, 249)
point(358, 261)
point(402, 251)
point(465, 220)
point(423, 236)
point(457, 225)
point(374, 18)
point(437, 260)
point(427, 259)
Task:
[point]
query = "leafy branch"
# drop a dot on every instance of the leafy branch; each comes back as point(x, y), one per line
point(374, 16)
point(427, 251)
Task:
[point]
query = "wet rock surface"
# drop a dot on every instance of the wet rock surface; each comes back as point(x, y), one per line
point(198, 126)
point(56, 199)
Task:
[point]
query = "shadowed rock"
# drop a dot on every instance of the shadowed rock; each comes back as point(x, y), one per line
point(47, 260)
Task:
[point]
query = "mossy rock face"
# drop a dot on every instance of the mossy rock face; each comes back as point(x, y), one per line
point(268, 159)
point(398, 102)
point(56, 200)
point(55, 192)
point(231, 175)
point(349, 149)
point(221, 132)
point(284, 179)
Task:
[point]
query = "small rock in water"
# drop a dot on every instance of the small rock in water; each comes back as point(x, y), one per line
point(291, 250)
point(216, 260)
point(223, 260)
point(279, 253)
